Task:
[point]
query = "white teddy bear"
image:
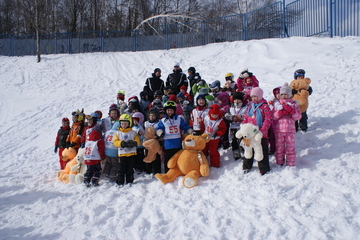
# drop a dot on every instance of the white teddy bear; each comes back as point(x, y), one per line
point(80, 168)
point(251, 139)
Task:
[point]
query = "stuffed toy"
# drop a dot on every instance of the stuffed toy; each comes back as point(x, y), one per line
point(152, 145)
point(68, 155)
point(251, 139)
point(301, 96)
point(189, 162)
point(79, 168)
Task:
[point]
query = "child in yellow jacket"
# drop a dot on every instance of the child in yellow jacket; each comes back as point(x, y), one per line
point(126, 140)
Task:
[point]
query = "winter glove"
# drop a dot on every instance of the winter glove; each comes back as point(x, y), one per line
point(214, 135)
point(131, 143)
point(279, 107)
point(55, 149)
point(160, 133)
point(123, 144)
point(289, 109)
point(67, 144)
point(82, 145)
point(72, 144)
point(190, 131)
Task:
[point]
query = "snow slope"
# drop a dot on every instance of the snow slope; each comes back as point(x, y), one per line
point(317, 199)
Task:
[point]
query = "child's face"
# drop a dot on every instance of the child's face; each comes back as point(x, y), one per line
point(161, 115)
point(254, 98)
point(152, 117)
point(237, 101)
point(113, 114)
point(170, 112)
point(300, 77)
point(135, 121)
point(182, 90)
point(201, 102)
point(284, 96)
point(214, 116)
point(65, 124)
point(124, 124)
point(179, 100)
point(74, 118)
point(90, 121)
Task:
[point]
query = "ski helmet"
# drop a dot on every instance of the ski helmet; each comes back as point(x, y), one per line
point(139, 116)
point(126, 117)
point(299, 72)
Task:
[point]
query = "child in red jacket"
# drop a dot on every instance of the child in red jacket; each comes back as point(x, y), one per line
point(94, 154)
point(60, 141)
point(214, 126)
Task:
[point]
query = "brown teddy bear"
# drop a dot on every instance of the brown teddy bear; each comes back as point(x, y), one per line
point(301, 96)
point(190, 162)
point(69, 154)
point(152, 145)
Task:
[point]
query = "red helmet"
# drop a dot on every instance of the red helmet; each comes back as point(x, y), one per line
point(65, 120)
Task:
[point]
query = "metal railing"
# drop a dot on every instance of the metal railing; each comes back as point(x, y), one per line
point(299, 18)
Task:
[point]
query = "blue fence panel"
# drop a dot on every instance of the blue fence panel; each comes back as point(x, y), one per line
point(5, 45)
point(86, 42)
point(24, 45)
point(266, 22)
point(115, 41)
point(308, 18)
point(346, 21)
point(55, 43)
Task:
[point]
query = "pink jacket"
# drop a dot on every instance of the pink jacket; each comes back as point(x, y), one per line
point(286, 122)
point(266, 117)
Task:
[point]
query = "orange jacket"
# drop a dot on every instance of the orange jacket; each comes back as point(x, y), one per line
point(75, 134)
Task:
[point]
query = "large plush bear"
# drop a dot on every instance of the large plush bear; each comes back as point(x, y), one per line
point(79, 168)
point(190, 162)
point(301, 87)
point(68, 155)
point(251, 139)
point(152, 145)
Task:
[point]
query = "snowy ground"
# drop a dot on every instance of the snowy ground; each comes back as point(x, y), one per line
point(317, 199)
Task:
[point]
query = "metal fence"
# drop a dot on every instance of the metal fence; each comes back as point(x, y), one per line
point(299, 18)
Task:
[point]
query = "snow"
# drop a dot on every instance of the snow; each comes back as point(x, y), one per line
point(317, 199)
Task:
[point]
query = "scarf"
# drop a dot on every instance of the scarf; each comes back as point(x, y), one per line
point(255, 110)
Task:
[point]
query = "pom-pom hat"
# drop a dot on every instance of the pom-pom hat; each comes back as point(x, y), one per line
point(285, 89)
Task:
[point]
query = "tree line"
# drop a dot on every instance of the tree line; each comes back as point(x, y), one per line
point(25, 17)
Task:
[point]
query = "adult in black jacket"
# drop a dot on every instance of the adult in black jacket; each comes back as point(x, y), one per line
point(176, 79)
point(154, 83)
point(193, 77)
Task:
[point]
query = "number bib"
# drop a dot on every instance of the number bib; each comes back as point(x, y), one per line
point(109, 136)
point(172, 128)
point(91, 151)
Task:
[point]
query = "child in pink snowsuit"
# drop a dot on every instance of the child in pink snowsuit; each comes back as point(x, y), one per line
point(285, 115)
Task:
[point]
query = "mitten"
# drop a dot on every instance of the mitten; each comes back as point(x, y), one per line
point(190, 131)
point(289, 109)
point(160, 133)
point(82, 145)
point(131, 143)
point(279, 107)
point(123, 144)
point(55, 149)
point(72, 144)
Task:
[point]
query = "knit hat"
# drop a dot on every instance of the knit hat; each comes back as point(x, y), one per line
point(121, 95)
point(180, 95)
point(257, 92)
point(133, 99)
point(192, 70)
point(177, 64)
point(157, 70)
point(203, 91)
point(215, 109)
point(65, 120)
point(172, 97)
point(238, 95)
point(285, 89)
point(183, 87)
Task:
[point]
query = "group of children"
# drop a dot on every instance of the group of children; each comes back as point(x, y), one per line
point(116, 140)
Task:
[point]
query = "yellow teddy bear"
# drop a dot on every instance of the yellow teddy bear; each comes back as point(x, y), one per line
point(190, 162)
point(69, 155)
point(301, 96)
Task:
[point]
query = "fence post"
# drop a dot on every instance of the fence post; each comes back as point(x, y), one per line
point(134, 40)
point(11, 45)
point(69, 43)
point(245, 27)
point(284, 20)
point(102, 41)
point(332, 12)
